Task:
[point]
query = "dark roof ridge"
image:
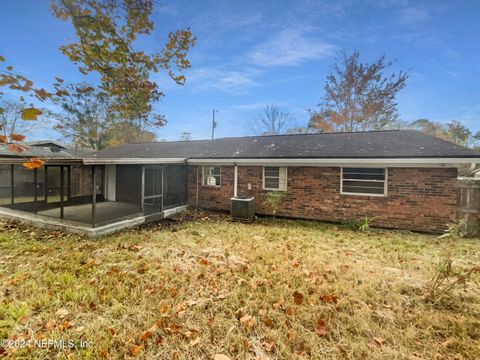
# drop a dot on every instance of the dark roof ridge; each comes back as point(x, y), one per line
point(273, 135)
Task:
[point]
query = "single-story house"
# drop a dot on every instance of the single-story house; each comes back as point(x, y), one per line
point(404, 178)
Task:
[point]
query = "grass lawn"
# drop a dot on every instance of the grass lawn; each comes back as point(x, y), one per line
point(268, 290)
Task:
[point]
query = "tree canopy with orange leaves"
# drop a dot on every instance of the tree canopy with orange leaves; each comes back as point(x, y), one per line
point(358, 96)
point(107, 31)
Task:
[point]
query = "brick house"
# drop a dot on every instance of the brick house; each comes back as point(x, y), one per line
point(408, 180)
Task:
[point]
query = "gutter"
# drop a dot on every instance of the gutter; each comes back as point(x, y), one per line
point(397, 162)
point(359, 162)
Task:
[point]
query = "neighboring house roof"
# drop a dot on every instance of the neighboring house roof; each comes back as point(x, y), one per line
point(389, 144)
point(47, 143)
point(34, 151)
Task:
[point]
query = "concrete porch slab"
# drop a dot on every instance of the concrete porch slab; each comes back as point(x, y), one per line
point(47, 222)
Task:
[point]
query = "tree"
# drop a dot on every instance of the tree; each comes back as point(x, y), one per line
point(453, 131)
point(12, 127)
point(358, 96)
point(86, 118)
point(271, 121)
point(15, 109)
point(124, 132)
point(459, 133)
point(107, 32)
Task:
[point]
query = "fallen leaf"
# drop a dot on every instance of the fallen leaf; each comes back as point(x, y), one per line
point(50, 325)
point(149, 291)
point(62, 313)
point(248, 321)
point(148, 333)
point(195, 341)
point(203, 262)
point(163, 308)
point(329, 298)
point(297, 298)
point(67, 325)
point(321, 328)
point(269, 345)
point(221, 357)
point(136, 350)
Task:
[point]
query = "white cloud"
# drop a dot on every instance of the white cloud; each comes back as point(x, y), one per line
point(413, 16)
point(256, 105)
point(231, 81)
point(292, 46)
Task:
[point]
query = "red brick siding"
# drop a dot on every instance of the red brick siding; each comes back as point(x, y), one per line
point(422, 199)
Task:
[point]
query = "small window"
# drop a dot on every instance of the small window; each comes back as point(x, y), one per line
point(211, 175)
point(364, 181)
point(275, 178)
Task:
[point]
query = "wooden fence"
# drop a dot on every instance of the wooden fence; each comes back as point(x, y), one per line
point(469, 205)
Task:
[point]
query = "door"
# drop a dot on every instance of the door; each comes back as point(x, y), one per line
point(153, 190)
point(110, 182)
point(53, 177)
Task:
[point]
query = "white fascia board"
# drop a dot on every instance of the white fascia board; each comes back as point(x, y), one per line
point(397, 162)
point(128, 161)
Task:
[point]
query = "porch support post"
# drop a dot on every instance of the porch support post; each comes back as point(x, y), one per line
point(142, 191)
point(35, 188)
point(46, 184)
point(62, 185)
point(69, 181)
point(12, 180)
point(94, 194)
point(185, 198)
point(163, 188)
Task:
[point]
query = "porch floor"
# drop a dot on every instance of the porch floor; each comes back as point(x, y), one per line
point(127, 219)
point(106, 211)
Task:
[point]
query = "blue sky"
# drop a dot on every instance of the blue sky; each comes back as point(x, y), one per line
point(253, 53)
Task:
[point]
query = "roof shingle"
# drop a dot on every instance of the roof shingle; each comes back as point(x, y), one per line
point(369, 144)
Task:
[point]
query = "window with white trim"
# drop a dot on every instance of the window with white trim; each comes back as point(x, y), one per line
point(364, 181)
point(275, 178)
point(211, 176)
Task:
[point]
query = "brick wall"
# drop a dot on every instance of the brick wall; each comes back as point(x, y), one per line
point(423, 199)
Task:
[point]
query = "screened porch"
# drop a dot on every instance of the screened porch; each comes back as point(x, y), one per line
point(94, 195)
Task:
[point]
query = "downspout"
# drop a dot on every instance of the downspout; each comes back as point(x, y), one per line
point(235, 180)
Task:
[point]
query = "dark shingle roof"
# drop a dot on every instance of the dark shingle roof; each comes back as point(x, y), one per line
point(369, 144)
point(36, 151)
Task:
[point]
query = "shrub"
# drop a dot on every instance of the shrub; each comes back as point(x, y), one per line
point(440, 285)
point(274, 198)
point(454, 229)
point(364, 225)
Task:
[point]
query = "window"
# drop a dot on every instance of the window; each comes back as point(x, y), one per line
point(364, 181)
point(211, 175)
point(275, 178)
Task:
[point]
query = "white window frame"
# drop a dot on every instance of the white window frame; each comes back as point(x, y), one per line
point(282, 185)
point(385, 185)
point(204, 169)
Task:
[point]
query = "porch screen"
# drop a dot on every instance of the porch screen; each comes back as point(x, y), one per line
point(5, 185)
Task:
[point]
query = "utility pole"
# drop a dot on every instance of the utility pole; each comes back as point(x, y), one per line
point(214, 123)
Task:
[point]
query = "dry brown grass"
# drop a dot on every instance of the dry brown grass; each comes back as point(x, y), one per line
point(268, 290)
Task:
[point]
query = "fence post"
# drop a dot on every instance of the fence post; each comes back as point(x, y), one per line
point(469, 205)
